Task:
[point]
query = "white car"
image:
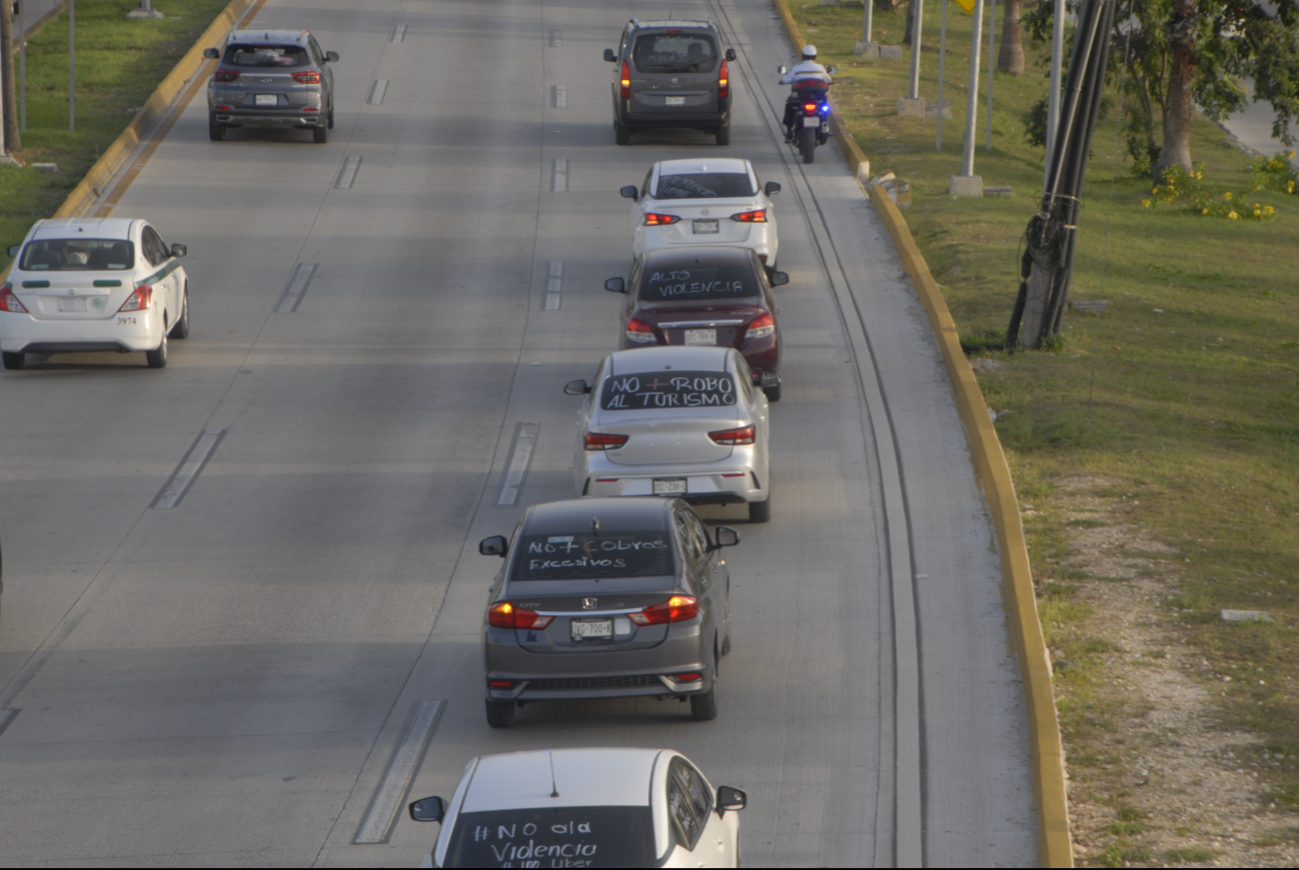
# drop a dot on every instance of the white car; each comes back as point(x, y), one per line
point(704, 202)
point(585, 808)
point(93, 284)
point(678, 421)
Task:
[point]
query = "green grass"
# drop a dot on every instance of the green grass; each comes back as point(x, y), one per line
point(1189, 856)
point(119, 63)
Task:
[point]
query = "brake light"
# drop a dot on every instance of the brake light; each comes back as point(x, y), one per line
point(224, 108)
point(626, 80)
point(743, 435)
point(599, 441)
point(810, 108)
point(723, 82)
point(761, 327)
point(9, 302)
point(141, 299)
point(225, 75)
point(660, 220)
point(640, 332)
point(678, 608)
point(501, 684)
point(751, 217)
point(506, 615)
point(311, 77)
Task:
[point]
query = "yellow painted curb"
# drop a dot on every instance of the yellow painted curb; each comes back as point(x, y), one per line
point(1055, 847)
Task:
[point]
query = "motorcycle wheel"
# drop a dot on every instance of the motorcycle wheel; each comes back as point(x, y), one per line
point(809, 144)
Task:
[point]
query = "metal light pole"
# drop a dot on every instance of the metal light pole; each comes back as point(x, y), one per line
point(1053, 98)
point(866, 21)
point(913, 92)
point(145, 10)
point(942, 61)
point(22, 68)
point(992, 63)
point(72, 65)
point(972, 98)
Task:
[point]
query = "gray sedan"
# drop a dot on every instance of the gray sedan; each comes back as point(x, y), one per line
point(271, 78)
point(607, 598)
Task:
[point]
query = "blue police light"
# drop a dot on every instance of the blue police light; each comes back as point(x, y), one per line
point(825, 107)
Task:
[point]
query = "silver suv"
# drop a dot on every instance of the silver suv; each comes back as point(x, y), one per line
point(271, 78)
point(671, 74)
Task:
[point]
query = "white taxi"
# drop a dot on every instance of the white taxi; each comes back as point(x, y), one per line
point(585, 808)
point(93, 284)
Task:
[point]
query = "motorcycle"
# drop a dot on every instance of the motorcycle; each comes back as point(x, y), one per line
point(808, 111)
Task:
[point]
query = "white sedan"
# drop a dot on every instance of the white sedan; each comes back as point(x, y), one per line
point(585, 808)
point(93, 284)
point(704, 202)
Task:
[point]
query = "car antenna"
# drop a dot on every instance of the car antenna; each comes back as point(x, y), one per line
point(595, 525)
point(554, 789)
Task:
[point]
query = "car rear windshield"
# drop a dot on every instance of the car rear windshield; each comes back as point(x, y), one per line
point(594, 556)
point(675, 53)
point(558, 837)
point(698, 283)
point(704, 185)
point(263, 55)
point(79, 255)
point(656, 390)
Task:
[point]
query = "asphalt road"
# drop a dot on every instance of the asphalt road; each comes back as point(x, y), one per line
point(230, 680)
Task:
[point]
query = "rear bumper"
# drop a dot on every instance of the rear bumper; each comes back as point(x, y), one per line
point(729, 482)
point(761, 239)
point(279, 119)
point(706, 121)
point(22, 333)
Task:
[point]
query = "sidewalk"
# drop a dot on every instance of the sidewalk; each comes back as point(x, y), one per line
point(1253, 129)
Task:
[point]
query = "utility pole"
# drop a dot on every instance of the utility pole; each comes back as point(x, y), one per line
point(72, 65)
point(1053, 98)
point(10, 138)
point(22, 69)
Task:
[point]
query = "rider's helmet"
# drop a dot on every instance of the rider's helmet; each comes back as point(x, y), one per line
point(809, 52)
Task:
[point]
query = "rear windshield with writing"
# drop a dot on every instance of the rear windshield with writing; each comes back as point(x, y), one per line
point(599, 556)
point(559, 837)
point(675, 53)
point(698, 283)
point(266, 56)
point(79, 255)
point(656, 390)
point(704, 185)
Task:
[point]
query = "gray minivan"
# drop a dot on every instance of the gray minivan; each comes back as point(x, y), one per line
point(271, 78)
point(671, 74)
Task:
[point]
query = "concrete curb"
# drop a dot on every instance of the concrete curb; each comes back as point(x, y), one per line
point(1055, 846)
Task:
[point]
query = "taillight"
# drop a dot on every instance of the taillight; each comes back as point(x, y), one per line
point(640, 332)
point(501, 684)
point(761, 327)
point(10, 302)
point(307, 78)
point(141, 299)
point(691, 677)
point(506, 615)
point(810, 108)
point(723, 82)
point(225, 75)
point(678, 608)
point(224, 108)
point(751, 217)
point(626, 80)
point(660, 220)
point(600, 441)
point(743, 435)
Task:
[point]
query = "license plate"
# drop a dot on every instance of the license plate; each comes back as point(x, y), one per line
point(702, 227)
point(75, 303)
point(676, 101)
point(811, 121)
point(670, 486)
point(585, 629)
point(268, 100)
point(705, 337)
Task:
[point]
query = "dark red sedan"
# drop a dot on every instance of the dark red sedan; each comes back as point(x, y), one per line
point(713, 297)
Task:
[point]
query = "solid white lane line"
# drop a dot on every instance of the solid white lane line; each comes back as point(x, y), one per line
point(184, 475)
point(559, 178)
point(347, 175)
point(392, 790)
point(525, 440)
point(559, 97)
point(377, 90)
point(299, 281)
point(398, 33)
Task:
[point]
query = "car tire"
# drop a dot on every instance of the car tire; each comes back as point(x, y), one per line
point(320, 135)
point(158, 358)
point(760, 511)
point(500, 714)
point(14, 361)
point(773, 393)
point(216, 132)
point(181, 329)
point(809, 144)
point(703, 707)
point(621, 134)
point(724, 134)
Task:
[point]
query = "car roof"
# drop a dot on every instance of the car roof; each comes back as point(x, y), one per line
point(583, 777)
point(690, 166)
point(673, 22)
point(294, 36)
point(615, 514)
point(667, 258)
point(679, 357)
point(91, 228)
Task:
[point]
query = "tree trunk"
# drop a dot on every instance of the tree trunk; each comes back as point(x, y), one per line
point(1011, 58)
point(1181, 75)
point(13, 136)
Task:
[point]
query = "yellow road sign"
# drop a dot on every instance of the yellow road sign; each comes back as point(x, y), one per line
point(967, 5)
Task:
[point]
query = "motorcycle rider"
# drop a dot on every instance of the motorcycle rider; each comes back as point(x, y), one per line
point(808, 71)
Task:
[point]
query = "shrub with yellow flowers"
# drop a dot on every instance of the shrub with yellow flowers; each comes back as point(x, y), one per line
point(1276, 173)
point(1177, 184)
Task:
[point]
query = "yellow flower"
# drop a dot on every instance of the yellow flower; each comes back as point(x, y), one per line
point(1146, 203)
point(1227, 196)
point(1290, 155)
point(1233, 215)
point(1204, 211)
point(1199, 175)
point(1267, 209)
point(1257, 212)
point(1289, 187)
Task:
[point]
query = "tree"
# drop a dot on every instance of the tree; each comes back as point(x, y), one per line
point(1011, 57)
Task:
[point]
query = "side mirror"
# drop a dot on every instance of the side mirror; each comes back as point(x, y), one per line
point(728, 798)
point(609, 56)
point(631, 191)
point(831, 70)
point(433, 809)
point(496, 545)
point(615, 285)
point(730, 54)
point(332, 57)
point(725, 536)
point(771, 187)
point(179, 250)
point(577, 388)
point(14, 249)
point(212, 53)
point(778, 279)
point(783, 69)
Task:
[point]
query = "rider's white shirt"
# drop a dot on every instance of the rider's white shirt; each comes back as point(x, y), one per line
point(806, 70)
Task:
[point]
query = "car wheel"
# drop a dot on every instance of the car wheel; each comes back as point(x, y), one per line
point(760, 511)
point(773, 393)
point(158, 358)
point(14, 361)
point(809, 144)
point(703, 707)
point(621, 134)
point(724, 134)
point(320, 135)
point(500, 714)
point(216, 132)
point(181, 329)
